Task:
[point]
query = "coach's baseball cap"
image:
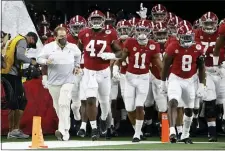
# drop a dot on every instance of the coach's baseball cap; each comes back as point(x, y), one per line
point(35, 36)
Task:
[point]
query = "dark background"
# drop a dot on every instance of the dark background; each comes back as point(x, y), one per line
point(189, 10)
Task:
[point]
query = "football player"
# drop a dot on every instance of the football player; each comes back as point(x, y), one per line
point(186, 59)
point(140, 52)
point(160, 35)
point(159, 13)
point(215, 81)
point(220, 43)
point(98, 45)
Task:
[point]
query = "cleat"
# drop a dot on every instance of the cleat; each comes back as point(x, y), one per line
point(135, 140)
point(58, 135)
point(223, 126)
point(103, 124)
point(187, 141)
point(212, 139)
point(143, 138)
point(81, 133)
point(173, 138)
point(94, 134)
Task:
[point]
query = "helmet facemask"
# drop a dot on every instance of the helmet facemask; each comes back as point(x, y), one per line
point(161, 36)
point(186, 40)
point(209, 27)
point(173, 30)
point(142, 35)
point(96, 22)
point(124, 32)
point(74, 29)
point(159, 17)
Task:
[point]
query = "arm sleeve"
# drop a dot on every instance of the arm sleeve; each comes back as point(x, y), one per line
point(77, 57)
point(222, 29)
point(170, 50)
point(43, 56)
point(20, 51)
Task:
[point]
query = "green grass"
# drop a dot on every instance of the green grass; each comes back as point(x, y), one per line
point(180, 146)
point(150, 146)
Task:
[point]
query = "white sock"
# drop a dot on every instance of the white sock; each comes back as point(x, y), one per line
point(149, 122)
point(112, 122)
point(172, 130)
point(186, 126)
point(83, 126)
point(104, 109)
point(213, 124)
point(138, 127)
point(93, 124)
point(179, 129)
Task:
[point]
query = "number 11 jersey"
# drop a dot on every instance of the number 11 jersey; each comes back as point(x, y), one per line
point(140, 57)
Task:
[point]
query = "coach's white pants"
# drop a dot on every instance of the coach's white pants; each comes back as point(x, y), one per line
point(135, 90)
point(76, 101)
point(61, 96)
point(154, 94)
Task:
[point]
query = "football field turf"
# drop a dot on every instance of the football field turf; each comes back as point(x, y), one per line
point(116, 143)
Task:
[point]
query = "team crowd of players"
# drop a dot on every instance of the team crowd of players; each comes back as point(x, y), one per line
point(166, 63)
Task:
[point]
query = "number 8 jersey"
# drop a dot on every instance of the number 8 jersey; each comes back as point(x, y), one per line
point(139, 57)
point(184, 59)
point(95, 43)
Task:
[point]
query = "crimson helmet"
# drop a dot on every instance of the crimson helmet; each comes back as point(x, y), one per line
point(209, 22)
point(142, 31)
point(96, 20)
point(173, 24)
point(185, 35)
point(160, 32)
point(159, 13)
point(124, 29)
point(76, 24)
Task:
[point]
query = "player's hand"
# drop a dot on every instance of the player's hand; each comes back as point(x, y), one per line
point(163, 88)
point(116, 73)
point(202, 90)
point(44, 81)
point(77, 71)
point(49, 61)
point(142, 12)
point(107, 56)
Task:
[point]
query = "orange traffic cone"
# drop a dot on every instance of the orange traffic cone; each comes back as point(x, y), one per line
point(165, 128)
point(37, 135)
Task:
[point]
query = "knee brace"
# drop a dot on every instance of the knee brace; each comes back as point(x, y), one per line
point(188, 112)
point(210, 109)
point(75, 105)
point(173, 103)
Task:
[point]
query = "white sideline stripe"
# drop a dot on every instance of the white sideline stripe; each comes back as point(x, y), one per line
point(74, 144)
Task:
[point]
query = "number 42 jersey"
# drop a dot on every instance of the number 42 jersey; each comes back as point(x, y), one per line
point(184, 59)
point(95, 43)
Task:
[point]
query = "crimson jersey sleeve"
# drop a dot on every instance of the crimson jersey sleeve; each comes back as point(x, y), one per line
point(170, 49)
point(222, 29)
point(157, 47)
point(114, 35)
